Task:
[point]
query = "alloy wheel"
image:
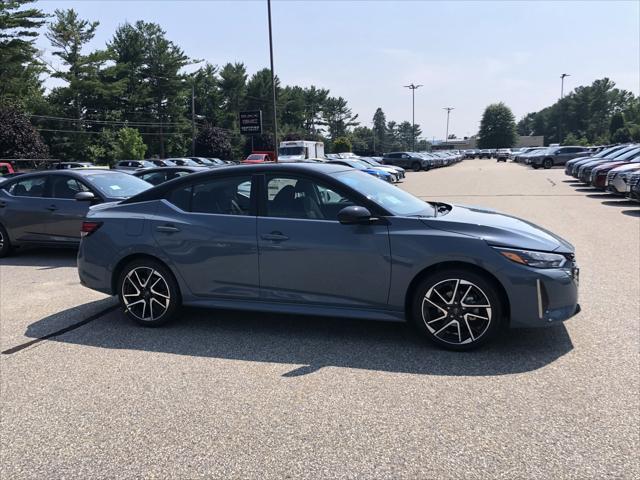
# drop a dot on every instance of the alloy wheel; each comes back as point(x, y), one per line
point(146, 294)
point(456, 311)
point(1, 240)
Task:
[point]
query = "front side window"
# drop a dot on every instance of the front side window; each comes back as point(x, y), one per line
point(303, 198)
point(28, 187)
point(220, 196)
point(66, 187)
point(154, 178)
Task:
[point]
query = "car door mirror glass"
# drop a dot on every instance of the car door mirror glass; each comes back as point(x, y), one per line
point(354, 214)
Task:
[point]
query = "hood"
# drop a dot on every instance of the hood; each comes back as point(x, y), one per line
point(607, 166)
point(290, 158)
point(626, 167)
point(498, 229)
point(104, 205)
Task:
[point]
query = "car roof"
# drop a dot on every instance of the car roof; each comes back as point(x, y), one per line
point(171, 169)
point(240, 169)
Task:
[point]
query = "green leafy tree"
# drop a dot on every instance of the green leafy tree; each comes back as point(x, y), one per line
point(338, 117)
point(622, 135)
point(497, 127)
point(129, 144)
point(616, 123)
point(341, 145)
point(407, 134)
point(571, 139)
point(314, 100)
point(18, 138)
point(213, 142)
point(362, 141)
point(19, 67)
point(379, 131)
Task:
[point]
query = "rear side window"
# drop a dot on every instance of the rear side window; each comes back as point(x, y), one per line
point(220, 196)
point(28, 187)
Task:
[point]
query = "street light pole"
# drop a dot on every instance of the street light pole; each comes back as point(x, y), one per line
point(193, 118)
point(273, 85)
point(413, 114)
point(562, 84)
point(448, 109)
point(560, 106)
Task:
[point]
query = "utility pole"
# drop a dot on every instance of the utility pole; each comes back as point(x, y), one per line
point(193, 118)
point(448, 109)
point(413, 113)
point(273, 85)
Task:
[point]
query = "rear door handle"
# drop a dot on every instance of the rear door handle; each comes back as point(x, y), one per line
point(52, 208)
point(167, 229)
point(274, 237)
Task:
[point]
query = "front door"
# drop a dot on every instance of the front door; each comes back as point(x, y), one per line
point(67, 213)
point(207, 230)
point(307, 256)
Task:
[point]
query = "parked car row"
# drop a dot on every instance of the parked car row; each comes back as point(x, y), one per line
point(417, 161)
point(615, 169)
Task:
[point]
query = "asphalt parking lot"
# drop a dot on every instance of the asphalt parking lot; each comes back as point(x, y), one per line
point(244, 395)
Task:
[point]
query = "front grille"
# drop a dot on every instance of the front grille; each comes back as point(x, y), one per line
point(634, 180)
point(610, 176)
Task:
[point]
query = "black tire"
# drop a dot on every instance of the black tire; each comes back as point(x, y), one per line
point(5, 243)
point(548, 163)
point(415, 166)
point(154, 284)
point(535, 166)
point(462, 326)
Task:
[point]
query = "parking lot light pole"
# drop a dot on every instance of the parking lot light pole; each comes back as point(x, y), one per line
point(562, 84)
point(273, 86)
point(448, 109)
point(413, 114)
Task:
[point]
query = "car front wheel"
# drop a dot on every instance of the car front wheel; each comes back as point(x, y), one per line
point(548, 163)
point(457, 309)
point(148, 292)
point(415, 166)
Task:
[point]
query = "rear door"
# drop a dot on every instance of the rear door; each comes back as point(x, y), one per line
point(23, 210)
point(207, 230)
point(67, 213)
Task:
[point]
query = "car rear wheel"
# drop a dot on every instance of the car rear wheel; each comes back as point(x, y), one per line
point(457, 309)
point(148, 292)
point(415, 166)
point(5, 244)
point(535, 166)
point(548, 163)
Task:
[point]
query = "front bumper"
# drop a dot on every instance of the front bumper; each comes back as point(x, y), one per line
point(542, 297)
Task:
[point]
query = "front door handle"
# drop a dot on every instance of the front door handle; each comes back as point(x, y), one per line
point(167, 229)
point(3, 204)
point(52, 208)
point(274, 237)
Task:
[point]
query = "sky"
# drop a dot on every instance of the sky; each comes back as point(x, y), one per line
point(465, 54)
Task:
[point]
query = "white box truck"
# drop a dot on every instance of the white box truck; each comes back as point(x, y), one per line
point(298, 150)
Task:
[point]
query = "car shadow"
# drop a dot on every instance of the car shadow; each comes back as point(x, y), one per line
point(632, 213)
point(602, 195)
point(309, 344)
point(45, 258)
point(621, 202)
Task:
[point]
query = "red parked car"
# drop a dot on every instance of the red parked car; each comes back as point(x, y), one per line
point(258, 158)
point(6, 168)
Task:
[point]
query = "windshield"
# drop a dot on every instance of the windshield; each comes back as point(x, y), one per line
point(291, 151)
point(621, 152)
point(254, 156)
point(630, 154)
point(204, 161)
point(117, 185)
point(391, 198)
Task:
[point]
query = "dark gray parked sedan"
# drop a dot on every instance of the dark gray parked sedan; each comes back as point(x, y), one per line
point(47, 208)
point(326, 240)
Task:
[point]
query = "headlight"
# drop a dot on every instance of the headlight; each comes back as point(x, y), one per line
point(532, 258)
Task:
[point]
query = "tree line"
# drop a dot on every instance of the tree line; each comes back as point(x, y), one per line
point(134, 99)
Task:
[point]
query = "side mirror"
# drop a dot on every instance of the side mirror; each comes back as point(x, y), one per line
point(354, 214)
point(85, 197)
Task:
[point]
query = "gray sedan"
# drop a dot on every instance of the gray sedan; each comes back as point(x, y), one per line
point(328, 240)
point(47, 208)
